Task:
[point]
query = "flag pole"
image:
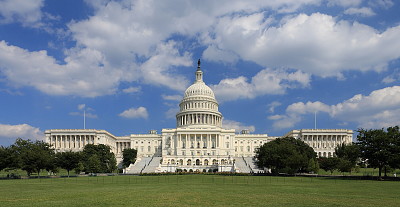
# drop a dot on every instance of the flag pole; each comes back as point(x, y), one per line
point(84, 118)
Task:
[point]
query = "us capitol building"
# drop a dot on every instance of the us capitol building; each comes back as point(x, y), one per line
point(198, 143)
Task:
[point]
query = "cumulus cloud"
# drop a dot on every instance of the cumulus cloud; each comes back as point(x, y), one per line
point(273, 105)
point(26, 12)
point(364, 11)
point(84, 67)
point(317, 44)
point(344, 3)
point(172, 97)
point(24, 131)
point(267, 81)
point(133, 113)
point(132, 90)
point(378, 109)
point(230, 124)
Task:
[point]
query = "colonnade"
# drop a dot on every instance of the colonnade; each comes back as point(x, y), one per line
point(199, 118)
point(198, 141)
point(71, 141)
point(324, 141)
point(122, 145)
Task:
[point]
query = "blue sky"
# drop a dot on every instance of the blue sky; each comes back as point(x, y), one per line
point(271, 64)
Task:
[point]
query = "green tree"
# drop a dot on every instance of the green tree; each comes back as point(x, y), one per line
point(128, 157)
point(313, 166)
point(348, 154)
point(285, 155)
point(68, 160)
point(344, 165)
point(103, 153)
point(5, 157)
point(394, 136)
point(380, 147)
point(328, 163)
point(93, 164)
point(31, 156)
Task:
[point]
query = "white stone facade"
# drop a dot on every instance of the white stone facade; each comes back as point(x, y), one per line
point(198, 142)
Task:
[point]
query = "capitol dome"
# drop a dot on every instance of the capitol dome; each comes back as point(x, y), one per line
point(199, 106)
point(199, 89)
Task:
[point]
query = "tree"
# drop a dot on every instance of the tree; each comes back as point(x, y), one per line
point(380, 147)
point(107, 161)
point(394, 136)
point(313, 166)
point(68, 160)
point(31, 156)
point(5, 157)
point(285, 155)
point(348, 154)
point(328, 163)
point(93, 164)
point(128, 157)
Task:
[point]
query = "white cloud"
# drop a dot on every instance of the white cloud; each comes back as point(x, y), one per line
point(273, 105)
point(79, 76)
point(172, 97)
point(317, 44)
point(132, 90)
point(171, 112)
point(213, 53)
point(363, 11)
point(26, 12)
point(294, 114)
point(381, 3)
point(267, 81)
point(84, 68)
point(133, 113)
point(24, 131)
point(395, 76)
point(344, 3)
point(378, 109)
point(157, 70)
point(230, 124)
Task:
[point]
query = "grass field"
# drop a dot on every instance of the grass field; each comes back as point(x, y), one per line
point(361, 172)
point(198, 190)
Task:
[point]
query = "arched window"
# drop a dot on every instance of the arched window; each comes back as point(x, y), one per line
point(180, 162)
point(198, 162)
point(205, 162)
point(189, 162)
point(173, 162)
point(215, 162)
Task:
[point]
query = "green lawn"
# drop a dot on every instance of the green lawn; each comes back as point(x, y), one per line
point(198, 190)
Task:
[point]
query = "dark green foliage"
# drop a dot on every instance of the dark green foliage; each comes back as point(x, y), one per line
point(344, 165)
point(68, 160)
point(328, 163)
point(32, 156)
point(350, 152)
point(347, 154)
point(285, 155)
point(379, 147)
point(5, 157)
point(98, 158)
point(128, 157)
